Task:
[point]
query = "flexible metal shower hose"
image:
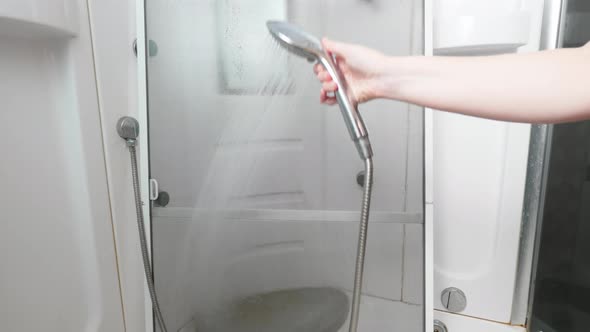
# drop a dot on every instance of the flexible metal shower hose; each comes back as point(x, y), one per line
point(362, 246)
point(142, 237)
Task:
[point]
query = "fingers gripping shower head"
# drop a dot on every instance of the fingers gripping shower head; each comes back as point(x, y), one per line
point(301, 43)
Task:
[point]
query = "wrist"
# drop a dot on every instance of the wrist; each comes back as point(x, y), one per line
point(396, 72)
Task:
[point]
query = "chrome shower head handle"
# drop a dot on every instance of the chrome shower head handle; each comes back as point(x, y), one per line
point(352, 117)
point(301, 43)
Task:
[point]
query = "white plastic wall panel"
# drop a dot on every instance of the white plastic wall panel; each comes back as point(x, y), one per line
point(479, 170)
point(57, 253)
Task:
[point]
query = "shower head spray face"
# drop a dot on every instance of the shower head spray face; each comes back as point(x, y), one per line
point(296, 40)
point(305, 45)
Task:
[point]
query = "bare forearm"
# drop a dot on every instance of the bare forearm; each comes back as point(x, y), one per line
point(551, 86)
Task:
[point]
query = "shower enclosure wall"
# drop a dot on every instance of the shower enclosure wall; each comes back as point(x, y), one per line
point(263, 180)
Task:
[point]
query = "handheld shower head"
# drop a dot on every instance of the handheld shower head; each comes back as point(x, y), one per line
point(305, 45)
point(296, 40)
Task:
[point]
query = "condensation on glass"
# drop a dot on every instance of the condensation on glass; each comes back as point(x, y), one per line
point(262, 179)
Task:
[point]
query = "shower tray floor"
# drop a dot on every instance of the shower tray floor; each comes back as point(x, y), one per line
point(290, 310)
point(377, 314)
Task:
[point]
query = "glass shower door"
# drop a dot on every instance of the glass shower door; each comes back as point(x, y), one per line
point(562, 276)
point(260, 229)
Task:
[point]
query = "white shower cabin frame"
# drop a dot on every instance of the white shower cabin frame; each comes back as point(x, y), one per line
point(144, 157)
point(142, 104)
point(428, 180)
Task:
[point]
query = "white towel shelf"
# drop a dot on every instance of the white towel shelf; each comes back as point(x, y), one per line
point(481, 34)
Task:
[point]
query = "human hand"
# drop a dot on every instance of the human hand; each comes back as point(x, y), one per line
point(361, 67)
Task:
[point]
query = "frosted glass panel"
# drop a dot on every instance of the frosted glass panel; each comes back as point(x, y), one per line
point(262, 178)
point(241, 38)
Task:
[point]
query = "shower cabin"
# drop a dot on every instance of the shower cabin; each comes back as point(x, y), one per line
point(251, 189)
point(255, 186)
point(258, 185)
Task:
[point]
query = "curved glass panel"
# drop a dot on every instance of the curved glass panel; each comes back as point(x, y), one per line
point(262, 219)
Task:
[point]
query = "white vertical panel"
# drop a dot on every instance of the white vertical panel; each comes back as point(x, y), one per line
point(113, 27)
point(57, 253)
point(144, 162)
point(478, 185)
point(478, 227)
point(428, 181)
